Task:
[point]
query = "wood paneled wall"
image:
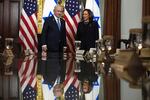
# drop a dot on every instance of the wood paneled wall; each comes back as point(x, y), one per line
point(9, 27)
point(9, 19)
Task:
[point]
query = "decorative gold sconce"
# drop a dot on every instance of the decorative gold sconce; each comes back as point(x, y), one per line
point(8, 51)
point(103, 48)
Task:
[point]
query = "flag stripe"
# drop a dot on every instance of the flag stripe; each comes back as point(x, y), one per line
point(27, 72)
point(25, 26)
point(69, 46)
point(31, 26)
point(24, 38)
point(35, 30)
point(97, 2)
point(76, 19)
point(72, 18)
point(70, 23)
point(71, 77)
point(70, 42)
point(28, 26)
point(25, 68)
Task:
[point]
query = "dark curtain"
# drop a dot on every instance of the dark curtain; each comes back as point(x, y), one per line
point(112, 22)
point(146, 20)
point(112, 14)
point(146, 8)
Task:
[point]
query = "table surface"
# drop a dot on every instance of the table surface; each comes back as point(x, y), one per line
point(68, 78)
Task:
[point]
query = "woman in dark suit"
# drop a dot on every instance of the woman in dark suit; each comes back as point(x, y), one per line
point(87, 76)
point(87, 31)
point(53, 35)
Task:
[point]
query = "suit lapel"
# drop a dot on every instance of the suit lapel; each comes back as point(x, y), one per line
point(55, 22)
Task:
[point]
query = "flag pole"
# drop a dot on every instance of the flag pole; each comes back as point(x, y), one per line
point(40, 5)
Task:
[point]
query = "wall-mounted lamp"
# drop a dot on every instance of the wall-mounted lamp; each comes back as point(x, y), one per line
point(8, 52)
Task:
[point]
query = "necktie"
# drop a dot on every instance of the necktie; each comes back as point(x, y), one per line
point(58, 23)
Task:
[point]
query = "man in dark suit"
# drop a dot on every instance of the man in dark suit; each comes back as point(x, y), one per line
point(54, 33)
point(53, 69)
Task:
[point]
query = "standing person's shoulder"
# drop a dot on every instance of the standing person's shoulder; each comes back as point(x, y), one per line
point(81, 22)
point(46, 19)
point(62, 19)
point(49, 18)
point(94, 22)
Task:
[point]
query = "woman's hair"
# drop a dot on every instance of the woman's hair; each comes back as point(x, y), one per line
point(90, 14)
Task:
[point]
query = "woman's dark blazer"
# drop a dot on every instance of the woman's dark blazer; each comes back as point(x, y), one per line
point(87, 33)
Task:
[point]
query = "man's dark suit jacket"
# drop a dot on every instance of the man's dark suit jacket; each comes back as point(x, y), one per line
point(54, 38)
point(52, 68)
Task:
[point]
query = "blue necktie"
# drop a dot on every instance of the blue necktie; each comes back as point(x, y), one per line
point(58, 23)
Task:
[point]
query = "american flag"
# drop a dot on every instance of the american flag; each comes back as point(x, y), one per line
point(29, 93)
point(71, 83)
point(72, 18)
point(28, 26)
point(72, 93)
point(27, 72)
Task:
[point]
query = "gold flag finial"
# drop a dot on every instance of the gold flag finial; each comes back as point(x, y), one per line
point(61, 2)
